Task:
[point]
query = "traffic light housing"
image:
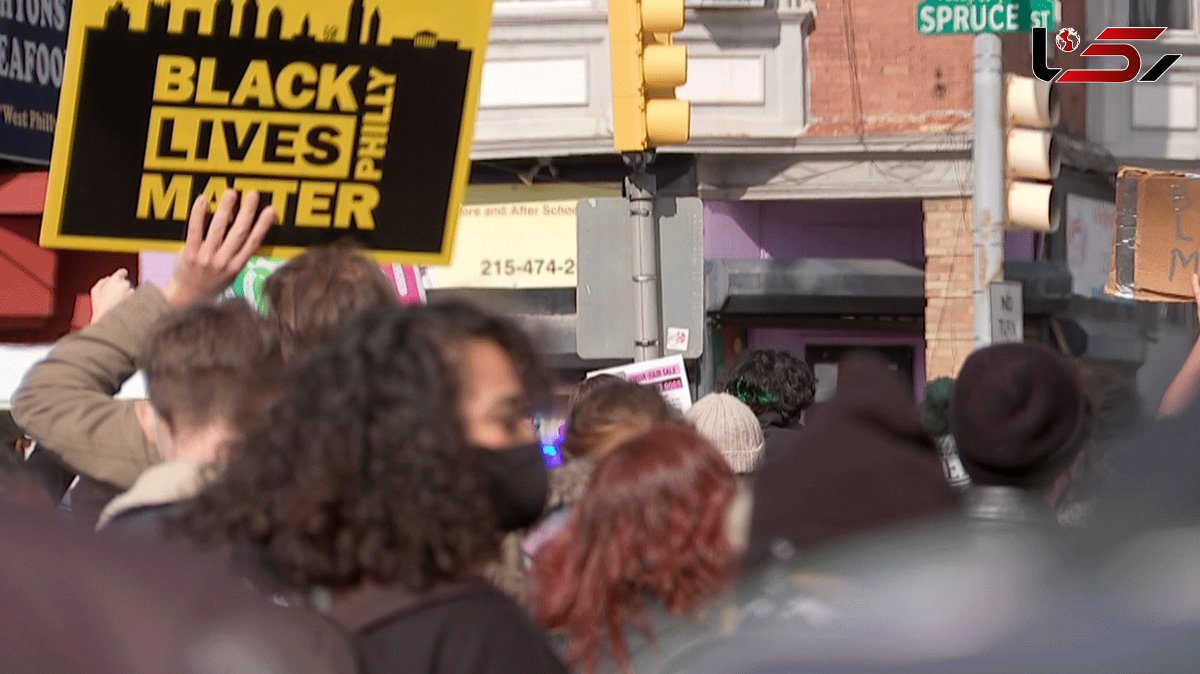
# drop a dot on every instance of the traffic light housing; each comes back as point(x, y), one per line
point(1031, 158)
point(646, 68)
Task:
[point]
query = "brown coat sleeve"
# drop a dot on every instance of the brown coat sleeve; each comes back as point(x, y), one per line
point(66, 401)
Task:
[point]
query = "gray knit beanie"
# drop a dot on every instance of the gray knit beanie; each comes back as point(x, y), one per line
point(732, 427)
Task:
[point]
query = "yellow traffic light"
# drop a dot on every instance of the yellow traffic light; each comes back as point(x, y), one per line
point(1032, 159)
point(646, 68)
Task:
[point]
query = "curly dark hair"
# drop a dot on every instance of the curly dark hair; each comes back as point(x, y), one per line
point(361, 472)
point(773, 381)
point(455, 320)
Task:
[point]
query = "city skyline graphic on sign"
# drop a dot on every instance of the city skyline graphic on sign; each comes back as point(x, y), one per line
point(368, 131)
point(158, 21)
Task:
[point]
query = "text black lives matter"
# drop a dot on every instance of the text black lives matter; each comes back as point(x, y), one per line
point(357, 136)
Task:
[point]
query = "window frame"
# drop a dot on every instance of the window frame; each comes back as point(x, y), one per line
point(1173, 39)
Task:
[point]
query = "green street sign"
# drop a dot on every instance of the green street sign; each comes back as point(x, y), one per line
point(956, 17)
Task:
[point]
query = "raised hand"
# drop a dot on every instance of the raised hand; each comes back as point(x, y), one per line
point(209, 262)
point(110, 291)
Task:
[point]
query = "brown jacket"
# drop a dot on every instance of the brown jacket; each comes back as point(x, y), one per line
point(66, 401)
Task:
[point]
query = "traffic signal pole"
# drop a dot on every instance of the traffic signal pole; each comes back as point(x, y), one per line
point(640, 187)
point(646, 67)
point(987, 159)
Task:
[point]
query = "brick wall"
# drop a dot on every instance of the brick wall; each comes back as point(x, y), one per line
point(872, 74)
point(948, 263)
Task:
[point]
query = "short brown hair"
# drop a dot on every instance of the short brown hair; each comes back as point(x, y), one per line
point(612, 414)
point(212, 362)
point(314, 294)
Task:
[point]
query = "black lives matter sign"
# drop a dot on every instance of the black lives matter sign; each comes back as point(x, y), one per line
point(353, 137)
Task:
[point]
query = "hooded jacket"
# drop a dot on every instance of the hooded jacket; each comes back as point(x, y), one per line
point(865, 463)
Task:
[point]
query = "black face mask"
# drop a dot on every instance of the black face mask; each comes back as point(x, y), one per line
point(517, 484)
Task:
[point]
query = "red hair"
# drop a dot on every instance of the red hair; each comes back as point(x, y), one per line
point(651, 524)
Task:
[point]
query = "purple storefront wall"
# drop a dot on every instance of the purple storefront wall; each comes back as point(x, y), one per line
point(864, 229)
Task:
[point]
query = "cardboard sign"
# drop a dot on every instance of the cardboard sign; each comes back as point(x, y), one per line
point(353, 118)
point(33, 41)
point(1157, 243)
point(669, 375)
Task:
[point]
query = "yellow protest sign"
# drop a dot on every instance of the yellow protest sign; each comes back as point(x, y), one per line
point(353, 118)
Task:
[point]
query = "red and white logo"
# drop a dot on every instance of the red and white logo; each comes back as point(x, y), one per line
point(1068, 40)
point(1114, 41)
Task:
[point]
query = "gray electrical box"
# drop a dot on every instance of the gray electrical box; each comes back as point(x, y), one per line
point(606, 294)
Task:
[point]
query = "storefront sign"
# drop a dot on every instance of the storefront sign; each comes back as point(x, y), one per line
point(512, 245)
point(33, 41)
point(353, 118)
point(669, 375)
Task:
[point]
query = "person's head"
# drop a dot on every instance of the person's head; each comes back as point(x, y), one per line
point(1019, 416)
point(650, 526)
point(610, 415)
point(501, 382)
point(864, 465)
point(211, 371)
point(313, 295)
point(731, 427)
point(935, 407)
point(363, 471)
point(773, 383)
point(589, 386)
point(500, 372)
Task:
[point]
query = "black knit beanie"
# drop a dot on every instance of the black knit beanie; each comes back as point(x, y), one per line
point(1018, 415)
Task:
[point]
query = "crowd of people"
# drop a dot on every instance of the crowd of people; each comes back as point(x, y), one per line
point(343, 484)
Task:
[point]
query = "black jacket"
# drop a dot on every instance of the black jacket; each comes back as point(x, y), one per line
point(146, 523)
point(778, 437)
point(465, 628)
